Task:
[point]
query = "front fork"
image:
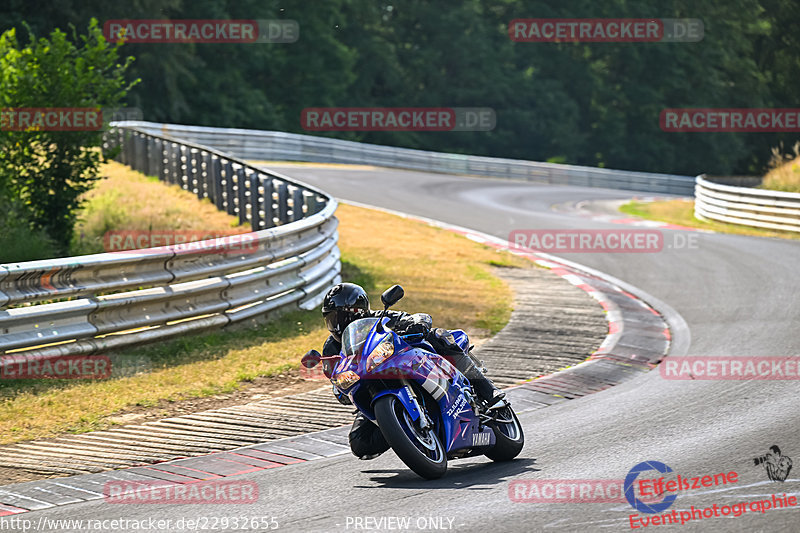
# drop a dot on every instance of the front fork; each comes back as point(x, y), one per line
point(411, 403)
point(424, 420)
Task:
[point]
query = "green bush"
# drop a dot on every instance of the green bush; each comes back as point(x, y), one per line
point(43, 173)
point(20, 242)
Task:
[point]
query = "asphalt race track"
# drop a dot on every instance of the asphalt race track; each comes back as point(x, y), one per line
point(740, 296)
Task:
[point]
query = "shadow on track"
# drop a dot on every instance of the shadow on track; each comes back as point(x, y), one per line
point(458, 476)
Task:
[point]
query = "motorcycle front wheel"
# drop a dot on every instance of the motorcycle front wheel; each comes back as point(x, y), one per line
point(421, 450)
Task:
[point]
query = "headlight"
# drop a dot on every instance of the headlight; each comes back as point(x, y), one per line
point(381, 353)
point(347, 379)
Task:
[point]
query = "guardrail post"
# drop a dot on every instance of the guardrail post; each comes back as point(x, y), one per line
point(241, 194)
point(127, 148)
point(230, 202)
point(253, 201)
point(142, 149)
point(115, 140)
point(197, 174)
point(190, 181)
point(283, 203)
point(163, 167)
point(138, 162)
point(297, 203)
point(267, 203)
point(169, 164)
point(141, 156)
point(310, 200)
point(183, 166)
point(160, 159)
point(214, 169)
point(155, 157)
point(132, 153)
point(151, 150)
point(173, 162)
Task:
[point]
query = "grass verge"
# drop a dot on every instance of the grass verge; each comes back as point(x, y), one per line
point(681, 212)
point(443, 274)
point(784, 176)
point(126, 200)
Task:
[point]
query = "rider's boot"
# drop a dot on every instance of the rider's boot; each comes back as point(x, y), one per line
point(487, 393)
point(486, 390)
point(366, 440)
point(444, 343)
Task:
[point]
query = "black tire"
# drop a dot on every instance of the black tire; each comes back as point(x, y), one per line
point(508, 436)
point(422, 453)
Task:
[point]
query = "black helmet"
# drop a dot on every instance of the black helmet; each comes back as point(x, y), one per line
point(344, 303)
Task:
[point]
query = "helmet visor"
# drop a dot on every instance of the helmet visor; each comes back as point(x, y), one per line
point(337, 320)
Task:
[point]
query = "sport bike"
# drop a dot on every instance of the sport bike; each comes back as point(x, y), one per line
point(425, 408)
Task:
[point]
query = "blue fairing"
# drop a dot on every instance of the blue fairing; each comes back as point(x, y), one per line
point(446, 385)
point(461, 339)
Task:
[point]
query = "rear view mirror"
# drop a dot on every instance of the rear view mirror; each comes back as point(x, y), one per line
point(392, 295)
point(311, 359)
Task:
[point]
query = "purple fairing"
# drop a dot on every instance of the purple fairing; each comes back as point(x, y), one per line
point(447, 392)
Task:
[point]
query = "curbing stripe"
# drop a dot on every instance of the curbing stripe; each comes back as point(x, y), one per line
point(277, 458)
point(6, 510)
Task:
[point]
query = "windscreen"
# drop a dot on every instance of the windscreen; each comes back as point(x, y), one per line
point(355, 335)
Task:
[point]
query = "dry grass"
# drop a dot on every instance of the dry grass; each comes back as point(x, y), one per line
point(128, 200)
point(785, 172)
point(443, 274)
point(681, 212)
point(211, 366)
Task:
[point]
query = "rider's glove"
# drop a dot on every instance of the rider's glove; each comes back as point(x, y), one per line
point(418, 323)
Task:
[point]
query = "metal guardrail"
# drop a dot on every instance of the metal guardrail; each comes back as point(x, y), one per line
point(274, 145)
point(759, 208)
point(291, 261)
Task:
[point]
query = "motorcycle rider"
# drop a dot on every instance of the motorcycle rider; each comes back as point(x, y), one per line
point(347, 302)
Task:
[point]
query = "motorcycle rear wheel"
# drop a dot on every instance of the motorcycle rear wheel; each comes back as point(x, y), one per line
point(421, 450)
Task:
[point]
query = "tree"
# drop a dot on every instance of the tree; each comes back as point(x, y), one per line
point(42, 172)
point(594, 104)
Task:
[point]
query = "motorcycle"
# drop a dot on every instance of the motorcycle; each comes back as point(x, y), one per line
point(425, 408)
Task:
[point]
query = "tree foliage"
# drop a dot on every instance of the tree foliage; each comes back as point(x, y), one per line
point(584, 103)
point(43, 172)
